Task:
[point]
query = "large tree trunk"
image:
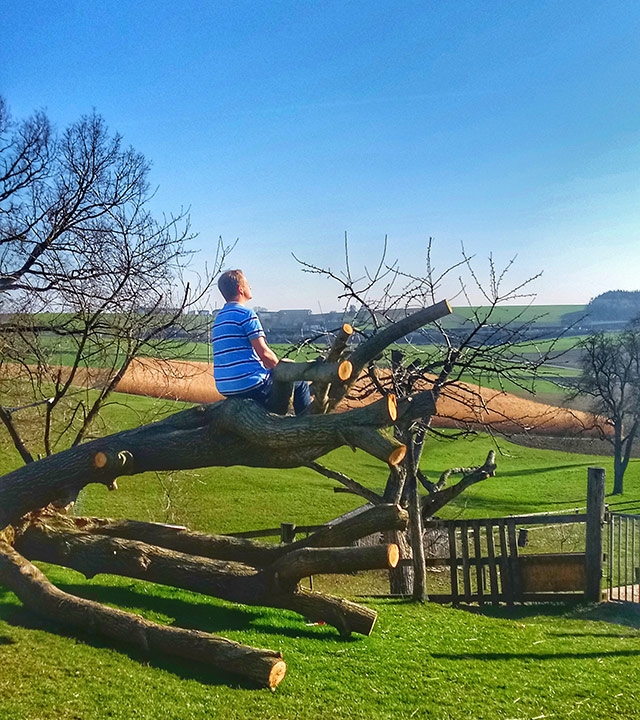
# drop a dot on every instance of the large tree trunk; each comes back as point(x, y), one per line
point(618, 461)
point(230, 432)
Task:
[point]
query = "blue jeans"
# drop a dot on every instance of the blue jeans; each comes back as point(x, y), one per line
point(262, 394)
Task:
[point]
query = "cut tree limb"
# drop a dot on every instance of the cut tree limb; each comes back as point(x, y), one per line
point(288, 372)
point(265, 667)
point(320, 390)
point(373, 346)
point(290, 569)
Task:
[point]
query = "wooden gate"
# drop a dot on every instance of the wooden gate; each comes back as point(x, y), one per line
point(623, 557)
point(485, 564)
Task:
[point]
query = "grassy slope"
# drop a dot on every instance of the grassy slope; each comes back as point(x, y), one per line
point(421, 661)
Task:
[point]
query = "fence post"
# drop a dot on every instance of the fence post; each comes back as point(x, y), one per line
point(593, 546)
point(287, 532)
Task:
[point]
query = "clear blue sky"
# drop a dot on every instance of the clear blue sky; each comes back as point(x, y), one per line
point(511, 127)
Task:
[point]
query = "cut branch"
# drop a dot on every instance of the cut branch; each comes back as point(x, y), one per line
point(320, 390)
point(371, 348)
point(265, 667)
point(288, 372)
point(294, 566)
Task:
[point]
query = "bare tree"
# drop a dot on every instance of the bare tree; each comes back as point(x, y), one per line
point(89, 278)
point(483, 350)
point(611, 380)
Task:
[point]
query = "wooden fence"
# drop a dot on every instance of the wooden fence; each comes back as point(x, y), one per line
point(484, 560)
point(485, 564)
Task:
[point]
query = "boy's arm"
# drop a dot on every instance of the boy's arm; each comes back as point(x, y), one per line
point(265, 353)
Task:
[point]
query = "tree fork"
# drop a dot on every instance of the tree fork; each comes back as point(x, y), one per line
point(265, 667)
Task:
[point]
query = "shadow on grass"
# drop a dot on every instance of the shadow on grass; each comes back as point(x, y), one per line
point(203, 613)
point(547, 469)
point(537, 656)
point(613, 613)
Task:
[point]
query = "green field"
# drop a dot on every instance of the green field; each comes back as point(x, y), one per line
point(540, 314)
point(422, 661)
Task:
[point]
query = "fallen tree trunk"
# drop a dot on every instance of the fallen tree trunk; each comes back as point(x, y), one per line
point(231, 432)
point(49, 539)
point(264, 667)
point(255, 553)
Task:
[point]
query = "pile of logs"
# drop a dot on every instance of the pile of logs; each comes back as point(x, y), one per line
point(234, 569)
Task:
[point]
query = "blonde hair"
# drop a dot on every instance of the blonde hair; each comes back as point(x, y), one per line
point(229, 283)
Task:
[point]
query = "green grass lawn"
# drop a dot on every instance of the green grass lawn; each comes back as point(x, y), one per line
point(422, 661)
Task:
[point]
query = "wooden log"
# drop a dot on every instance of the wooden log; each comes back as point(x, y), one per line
point(288, 372)
point(264, 667)
point(232, 581)
point(230, 432)
point(294, 566)
point(342, 614)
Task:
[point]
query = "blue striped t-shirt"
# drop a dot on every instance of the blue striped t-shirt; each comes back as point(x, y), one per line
point(236, 365)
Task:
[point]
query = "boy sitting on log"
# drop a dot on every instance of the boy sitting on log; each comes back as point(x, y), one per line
point(242, 359)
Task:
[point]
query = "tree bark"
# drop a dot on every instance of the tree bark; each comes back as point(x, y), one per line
point(265, 667)
point(230, 432)
point(272, 586)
